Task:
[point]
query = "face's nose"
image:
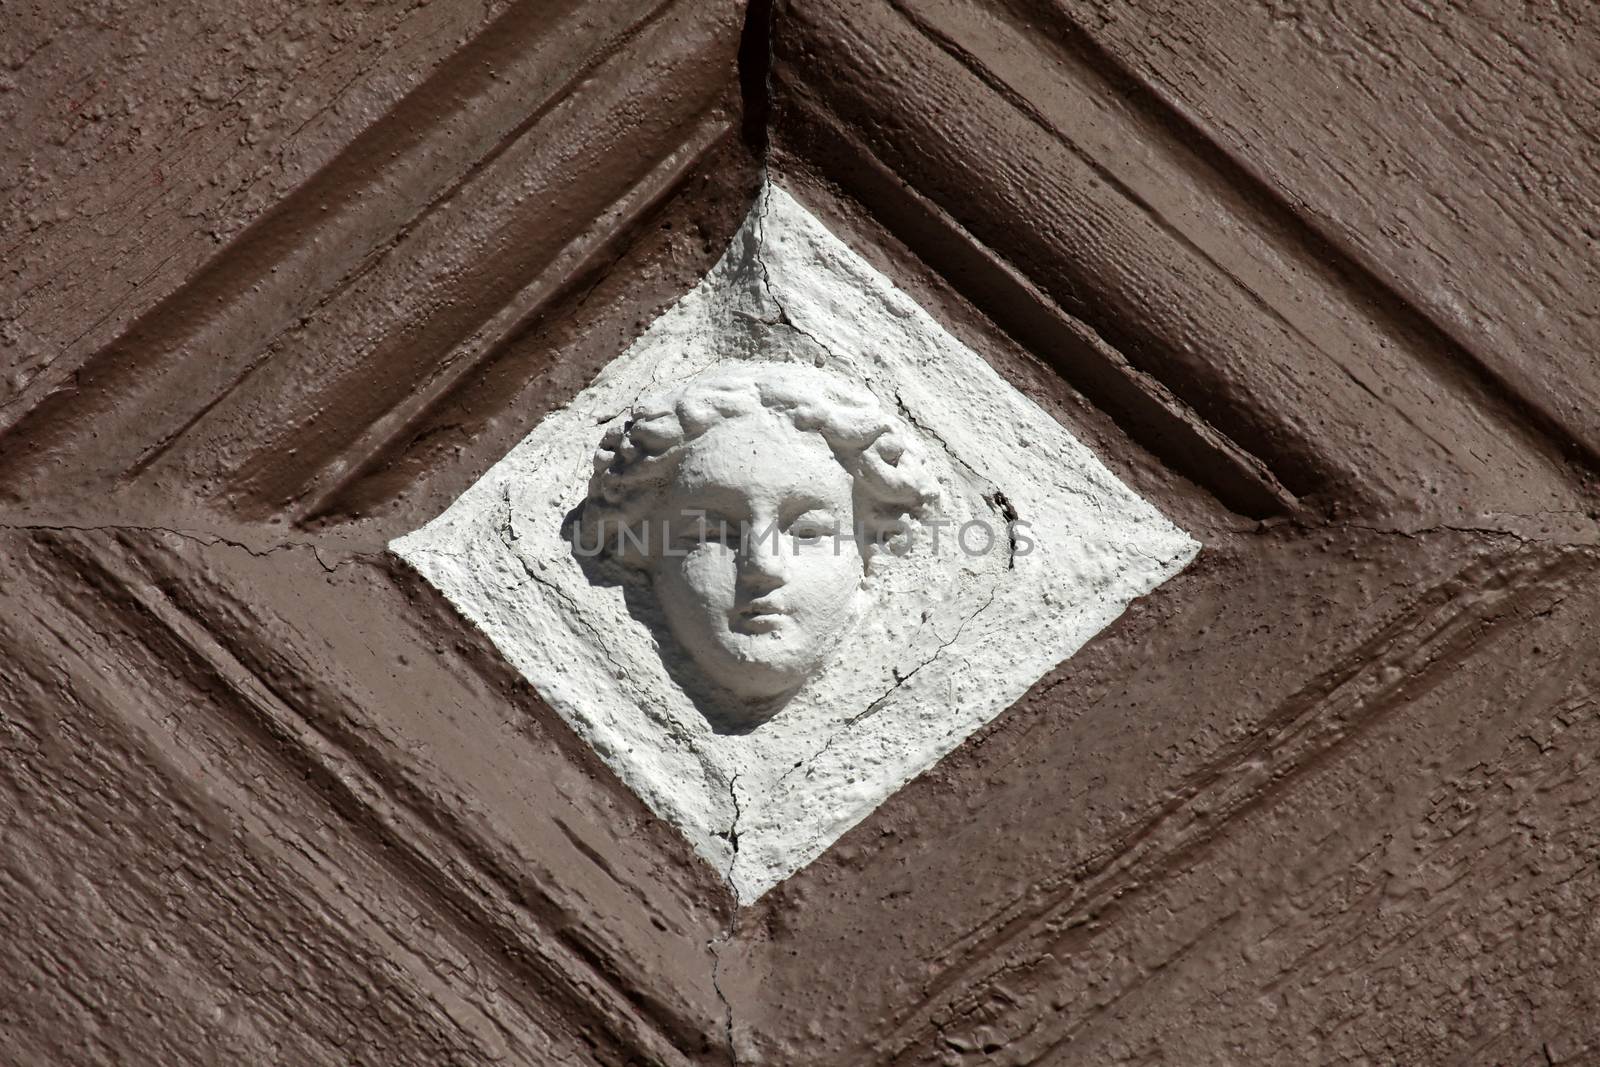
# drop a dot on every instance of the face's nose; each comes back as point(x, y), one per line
point(761, 563)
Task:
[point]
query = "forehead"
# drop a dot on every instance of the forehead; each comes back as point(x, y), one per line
point(761, 456)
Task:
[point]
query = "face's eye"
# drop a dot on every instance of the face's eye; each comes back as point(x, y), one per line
point(813, 525)
point(705, 531)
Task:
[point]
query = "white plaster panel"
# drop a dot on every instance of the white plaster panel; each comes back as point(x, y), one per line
point(945, 642)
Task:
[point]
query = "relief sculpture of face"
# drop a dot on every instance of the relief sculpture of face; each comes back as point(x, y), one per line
point(753, 582)
point(754, 497)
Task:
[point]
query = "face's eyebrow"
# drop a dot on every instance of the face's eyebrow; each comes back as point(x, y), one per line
point(714, 500)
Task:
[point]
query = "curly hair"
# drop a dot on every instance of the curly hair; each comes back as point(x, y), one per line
point(640, 451)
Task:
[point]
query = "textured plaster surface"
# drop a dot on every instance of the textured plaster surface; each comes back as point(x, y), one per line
point(952, 638)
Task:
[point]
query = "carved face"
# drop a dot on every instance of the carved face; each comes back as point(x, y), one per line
point(760, 613)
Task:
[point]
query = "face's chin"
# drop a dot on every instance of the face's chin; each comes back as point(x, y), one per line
point(771, 657)
point(755, 655)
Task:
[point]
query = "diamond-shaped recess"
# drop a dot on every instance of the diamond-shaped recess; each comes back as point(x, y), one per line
point(954, 639)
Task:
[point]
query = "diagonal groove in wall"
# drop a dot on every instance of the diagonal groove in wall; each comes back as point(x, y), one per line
point(1306, 732)
point(1146, 284)
point(278, 889)
point(1098, 256)
point(1108, 174)
point(332, 475)
point(476, 274)
point(492, 906)
point(1198, 359)
point(1467, 613)
point(1450, 359)
point(1142, 405)
point(1475, 858)
point(311, 245)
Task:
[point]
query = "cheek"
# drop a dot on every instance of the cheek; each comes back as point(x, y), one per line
point(828, 580)
point(704, 578)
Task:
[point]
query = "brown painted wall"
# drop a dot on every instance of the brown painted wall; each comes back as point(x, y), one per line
point(282, 279)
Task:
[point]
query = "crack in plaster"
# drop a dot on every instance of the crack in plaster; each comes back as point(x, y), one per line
point(1008, 512)
point(506, 537)
point(928, 431)
point(759, 254)
point(732, 835)
point(902, 679)
point(994, 497)
point(204, 538)
point(716, 943)
point(899, 680)
point(714, 946)
point(733, 827)
point(1491, 532)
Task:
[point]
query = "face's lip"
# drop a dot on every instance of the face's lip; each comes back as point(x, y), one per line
point(760, 616)
point(761, 608)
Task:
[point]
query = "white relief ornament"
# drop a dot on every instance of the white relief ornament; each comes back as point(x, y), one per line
point(765, 689)
point(755, 499)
